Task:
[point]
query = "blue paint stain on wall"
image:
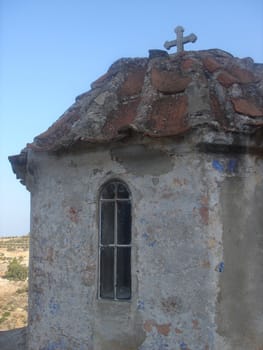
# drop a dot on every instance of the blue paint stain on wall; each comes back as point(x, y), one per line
point(232, 165)
point(220, 267)
point(150, 243)
point(53, 306)
point(38, 302)
point(160, 343)
point(218, 165)
point(145, 235)
point(140, 305)
point(183, 346)
point(57, 345)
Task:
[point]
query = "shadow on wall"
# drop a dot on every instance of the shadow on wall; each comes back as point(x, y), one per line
point(14, 339)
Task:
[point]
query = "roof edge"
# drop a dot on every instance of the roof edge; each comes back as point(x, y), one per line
point(19, 165)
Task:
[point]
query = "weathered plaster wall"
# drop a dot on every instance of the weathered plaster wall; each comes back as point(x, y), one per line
point(240, 306)
point(183, 269)
point(14, 339)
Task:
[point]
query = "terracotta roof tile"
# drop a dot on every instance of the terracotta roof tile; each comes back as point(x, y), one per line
point(162, 96)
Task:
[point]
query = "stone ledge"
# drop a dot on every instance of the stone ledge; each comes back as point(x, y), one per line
point(14, 339)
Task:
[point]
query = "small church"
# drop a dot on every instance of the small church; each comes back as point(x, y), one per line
point(147, 208)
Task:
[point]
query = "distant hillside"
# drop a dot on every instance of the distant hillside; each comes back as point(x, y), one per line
point(13, 243)
point(13, 294)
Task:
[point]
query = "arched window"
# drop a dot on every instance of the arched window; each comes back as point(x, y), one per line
point(115, 241)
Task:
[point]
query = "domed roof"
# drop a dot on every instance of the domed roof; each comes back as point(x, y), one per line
point(162, 96)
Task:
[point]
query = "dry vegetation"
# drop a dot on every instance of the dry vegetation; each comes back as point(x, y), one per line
point(13, 294)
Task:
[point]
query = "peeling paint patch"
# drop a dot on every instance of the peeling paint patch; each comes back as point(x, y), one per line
point(211, 243)
point(180, 182)
point(88, 275)
point(178, 331)
point(74, 215)
point(204, 213)
point(206, 264)
point(50, 255)
point(171, 304)
point(162, 329)
point(204, 210)
point(148, 324)
point(195, 324)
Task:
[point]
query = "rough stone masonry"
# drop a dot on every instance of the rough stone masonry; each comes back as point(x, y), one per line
point(184, 133)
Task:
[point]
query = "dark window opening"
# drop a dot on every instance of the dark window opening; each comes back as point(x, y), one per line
point(115, 242)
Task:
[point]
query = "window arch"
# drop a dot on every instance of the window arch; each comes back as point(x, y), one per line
point(115, 241)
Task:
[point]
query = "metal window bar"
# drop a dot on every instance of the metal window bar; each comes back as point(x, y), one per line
point(115, 245)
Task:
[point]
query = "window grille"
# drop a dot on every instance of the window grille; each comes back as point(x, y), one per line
point(115, 242)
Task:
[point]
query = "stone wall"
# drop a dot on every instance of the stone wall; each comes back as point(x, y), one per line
point(240, 316)
point(14, 339)
point(196, 249)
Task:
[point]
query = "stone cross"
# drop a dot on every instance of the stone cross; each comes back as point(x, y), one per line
point(180, 39)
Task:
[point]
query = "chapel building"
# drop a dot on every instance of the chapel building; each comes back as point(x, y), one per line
point(146, 209)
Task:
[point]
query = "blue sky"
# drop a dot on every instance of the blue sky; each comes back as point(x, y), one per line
point(51, 50)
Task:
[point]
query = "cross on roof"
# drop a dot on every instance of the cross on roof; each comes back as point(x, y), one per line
point(180, 39)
